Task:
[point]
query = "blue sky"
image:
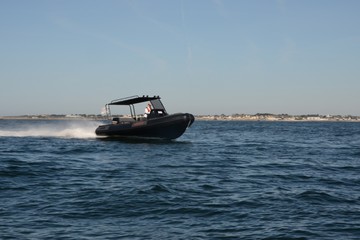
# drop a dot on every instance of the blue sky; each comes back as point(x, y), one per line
point(203, 56)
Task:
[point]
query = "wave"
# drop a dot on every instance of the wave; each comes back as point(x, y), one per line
point(78, 129)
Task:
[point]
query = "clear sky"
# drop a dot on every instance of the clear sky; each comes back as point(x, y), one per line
point(203, 56)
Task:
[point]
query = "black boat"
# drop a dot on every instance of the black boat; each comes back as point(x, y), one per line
point(155, 123)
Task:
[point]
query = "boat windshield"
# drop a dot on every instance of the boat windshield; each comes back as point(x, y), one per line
point(157, 104)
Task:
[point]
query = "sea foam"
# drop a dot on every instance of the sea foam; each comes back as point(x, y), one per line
point(59, 129)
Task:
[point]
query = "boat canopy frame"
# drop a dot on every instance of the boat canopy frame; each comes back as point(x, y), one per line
point(131, 101)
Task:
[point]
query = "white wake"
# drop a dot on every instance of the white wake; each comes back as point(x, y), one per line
point(79, 129)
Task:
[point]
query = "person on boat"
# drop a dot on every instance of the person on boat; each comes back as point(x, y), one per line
point(147, 110)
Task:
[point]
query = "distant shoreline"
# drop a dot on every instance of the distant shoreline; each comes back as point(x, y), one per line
point(222, 117)
point(280, 117)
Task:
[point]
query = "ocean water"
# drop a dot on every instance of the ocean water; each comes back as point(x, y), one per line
point(220, 180)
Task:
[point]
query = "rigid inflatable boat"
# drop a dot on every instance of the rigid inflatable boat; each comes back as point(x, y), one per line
point(155, 123)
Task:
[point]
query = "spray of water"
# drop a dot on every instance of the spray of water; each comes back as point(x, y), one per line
point(78, 129)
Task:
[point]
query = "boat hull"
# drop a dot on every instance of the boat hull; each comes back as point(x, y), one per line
point(167, 127)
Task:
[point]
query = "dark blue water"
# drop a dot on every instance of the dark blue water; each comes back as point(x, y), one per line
point(220, 180)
